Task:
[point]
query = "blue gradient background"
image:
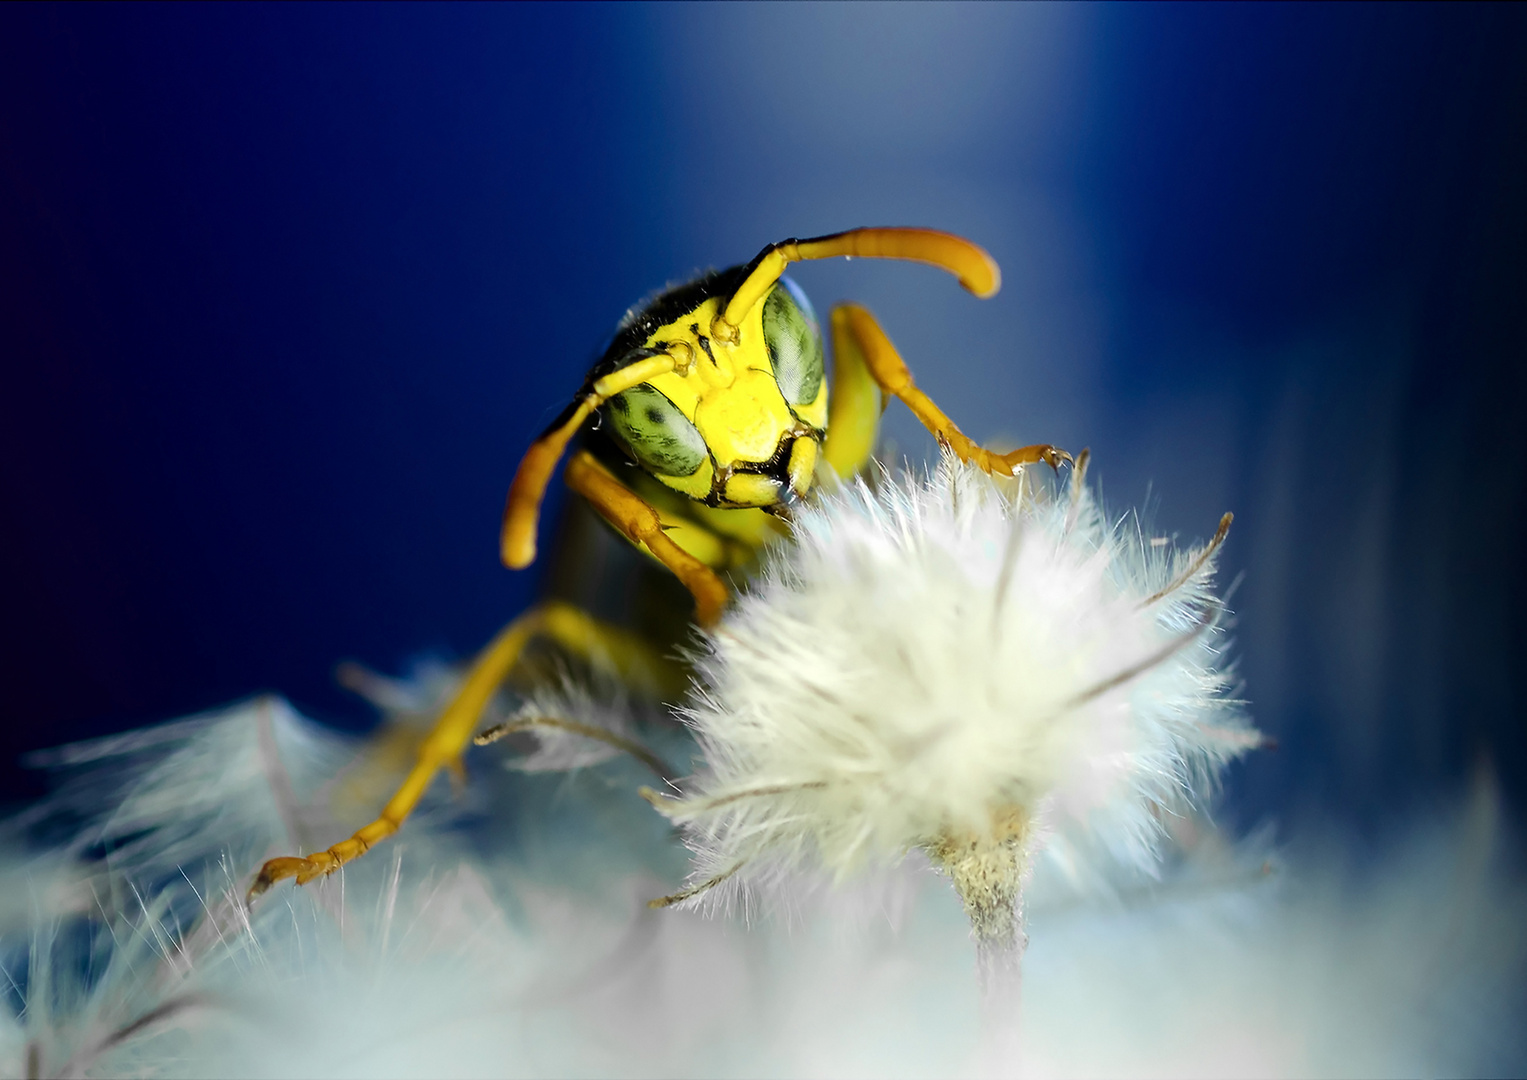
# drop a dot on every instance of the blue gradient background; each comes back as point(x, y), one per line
point(286, 290)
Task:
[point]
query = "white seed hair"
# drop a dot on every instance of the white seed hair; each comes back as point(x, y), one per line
point(934, 650)
point(443, 958)
point(558, 750)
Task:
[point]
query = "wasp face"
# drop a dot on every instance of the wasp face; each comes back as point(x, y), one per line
point(733, 425)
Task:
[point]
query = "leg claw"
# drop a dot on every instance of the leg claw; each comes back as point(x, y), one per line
point(279, 870)
point(1032, 455)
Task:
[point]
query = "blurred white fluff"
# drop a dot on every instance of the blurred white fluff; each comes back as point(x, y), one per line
point(147, 805)
point(106, 930)
point(932, 650)
point(530, 951)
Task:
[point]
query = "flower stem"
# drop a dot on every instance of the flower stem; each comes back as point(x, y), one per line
point(988, 873)
point(987, 882)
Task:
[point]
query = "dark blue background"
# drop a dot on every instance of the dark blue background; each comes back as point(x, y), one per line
point(285, 291)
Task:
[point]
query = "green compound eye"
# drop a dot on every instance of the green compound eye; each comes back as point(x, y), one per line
point(658, 435)
point(795, 344)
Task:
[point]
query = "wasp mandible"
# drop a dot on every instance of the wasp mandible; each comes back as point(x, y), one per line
point(707, 417)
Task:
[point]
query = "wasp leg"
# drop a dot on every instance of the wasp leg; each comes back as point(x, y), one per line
point(1038, 454)
point(854, 404)
point(867, 341)
point(641, 523)
point(571, 628)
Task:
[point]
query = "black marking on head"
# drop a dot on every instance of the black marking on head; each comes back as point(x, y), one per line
point(777, 468)
point(666, 307)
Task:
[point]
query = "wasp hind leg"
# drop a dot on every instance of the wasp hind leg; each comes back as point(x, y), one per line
point(863, 355)
point(570, 628)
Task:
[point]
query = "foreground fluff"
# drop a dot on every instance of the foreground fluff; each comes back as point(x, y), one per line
point(518, 942)
point(966, 665)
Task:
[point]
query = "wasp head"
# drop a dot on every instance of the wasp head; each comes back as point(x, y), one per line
point(733, 425)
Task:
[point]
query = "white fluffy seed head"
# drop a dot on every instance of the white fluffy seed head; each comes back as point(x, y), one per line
point(933, 653)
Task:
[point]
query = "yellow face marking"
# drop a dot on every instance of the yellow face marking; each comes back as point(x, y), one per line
point(744, 421)
point(707, 371)
point(803, 463)
point(697, 485)
point(728, 391)
point(815, 413)
point(751, 489)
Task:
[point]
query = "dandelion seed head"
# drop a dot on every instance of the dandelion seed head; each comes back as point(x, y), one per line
point(935, 654)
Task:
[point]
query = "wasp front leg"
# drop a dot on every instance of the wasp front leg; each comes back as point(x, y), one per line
point(858, 340)
point(642, 524)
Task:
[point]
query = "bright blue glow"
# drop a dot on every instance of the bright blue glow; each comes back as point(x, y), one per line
point(289, 288)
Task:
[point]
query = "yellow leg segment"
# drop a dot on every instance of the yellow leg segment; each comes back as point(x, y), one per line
point(858, 337)
point(854, 405)
point(643, 525)
point(575, 630)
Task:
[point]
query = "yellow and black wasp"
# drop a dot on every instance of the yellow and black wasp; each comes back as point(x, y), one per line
point(707, 417)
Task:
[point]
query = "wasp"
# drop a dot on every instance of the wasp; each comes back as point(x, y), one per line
point(708, 416)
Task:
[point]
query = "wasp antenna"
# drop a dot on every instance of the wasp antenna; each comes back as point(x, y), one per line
point(977, 271)
point(522, 510)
